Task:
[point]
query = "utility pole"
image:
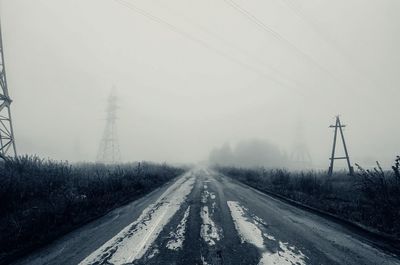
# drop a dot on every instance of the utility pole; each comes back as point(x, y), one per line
point(339, 128)
point(7, 140)
point(109, 152)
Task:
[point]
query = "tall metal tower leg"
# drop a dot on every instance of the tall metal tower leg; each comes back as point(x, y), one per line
point(7, 140)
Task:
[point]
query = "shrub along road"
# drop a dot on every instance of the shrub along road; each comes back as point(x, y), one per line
point(206, 218)
point(41, 200)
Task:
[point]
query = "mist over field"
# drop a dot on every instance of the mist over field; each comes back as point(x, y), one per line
point(250, 153)
point(213, 77)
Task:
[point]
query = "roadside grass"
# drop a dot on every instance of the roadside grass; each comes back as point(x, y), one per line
point(41, 200)
point(370, 198)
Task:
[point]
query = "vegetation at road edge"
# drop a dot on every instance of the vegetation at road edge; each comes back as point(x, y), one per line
point(41, 200)
point(370, 198)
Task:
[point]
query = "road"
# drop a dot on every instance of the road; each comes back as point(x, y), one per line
point(206, 218)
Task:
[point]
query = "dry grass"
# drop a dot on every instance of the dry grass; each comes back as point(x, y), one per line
point(43, 199)
point(371, 197)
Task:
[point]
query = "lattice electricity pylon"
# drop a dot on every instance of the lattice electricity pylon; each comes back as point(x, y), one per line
point(109, 152)
point(7, 140)
point(300, 156)
point(338, 126)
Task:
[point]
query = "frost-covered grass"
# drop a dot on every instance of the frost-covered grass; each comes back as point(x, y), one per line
point(371, 198)
point(42, 199)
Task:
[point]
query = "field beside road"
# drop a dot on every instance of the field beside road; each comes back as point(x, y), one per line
point(370, 199)
point(41, 200)
point(203, 217)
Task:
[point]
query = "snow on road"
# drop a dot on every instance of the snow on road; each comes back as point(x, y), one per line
point(207, 195)
point(177, 238)
point(160, 233)
point(134, 240)
point(209, 230)
point(203, 260)
point(248, 231)
point(252, 231)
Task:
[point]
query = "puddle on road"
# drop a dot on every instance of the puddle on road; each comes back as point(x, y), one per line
point(252, 230)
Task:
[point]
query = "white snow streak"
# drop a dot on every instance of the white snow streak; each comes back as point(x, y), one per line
point(179, 236)
point(134, 240)
point(204, 261)
point(285, 256)
point(209, 232)
point(206, 195)
point(250, 231)
point(153, 253)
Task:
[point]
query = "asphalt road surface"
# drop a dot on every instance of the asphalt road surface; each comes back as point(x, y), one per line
point(205, 218)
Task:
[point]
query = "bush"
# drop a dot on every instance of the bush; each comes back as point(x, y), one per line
point(381, 196)
point(371, 198)
point(43, 199)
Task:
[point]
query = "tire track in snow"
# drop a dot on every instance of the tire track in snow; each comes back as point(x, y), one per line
point(134, 240)
point(252, 231)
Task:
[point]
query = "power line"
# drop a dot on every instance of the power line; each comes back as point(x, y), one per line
point(281, 75)
point(204, 44)
point(279, 37)
point(299, 12)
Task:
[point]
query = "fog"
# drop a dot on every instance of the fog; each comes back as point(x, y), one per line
point(192, 76)
point(250, 153)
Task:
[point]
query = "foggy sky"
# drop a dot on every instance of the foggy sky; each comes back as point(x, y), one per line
point(204, 76)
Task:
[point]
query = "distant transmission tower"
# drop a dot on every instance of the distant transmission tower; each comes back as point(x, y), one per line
point(7, 140)
point(300, 155)
point(109, 152)
point(339, 127)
